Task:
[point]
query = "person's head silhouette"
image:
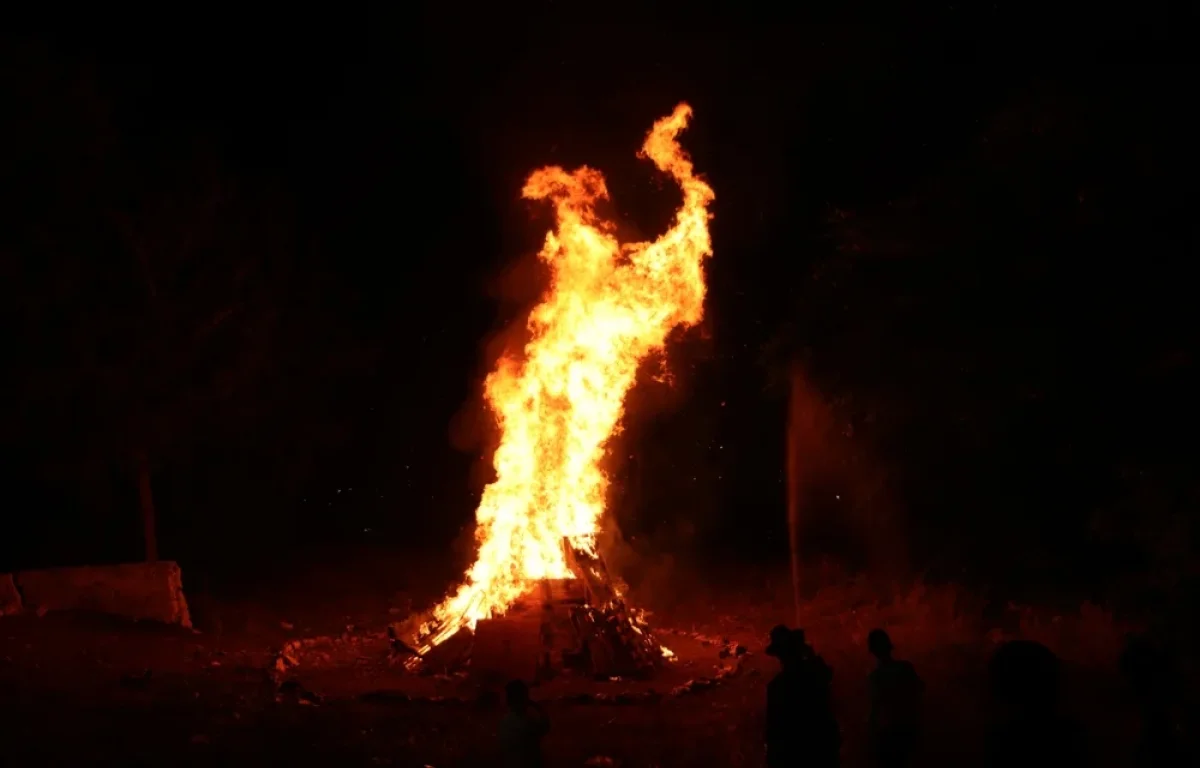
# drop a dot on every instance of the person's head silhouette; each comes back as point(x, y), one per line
point(783, 644)
point(879, 644)
point(788, 645)
point(516, 694)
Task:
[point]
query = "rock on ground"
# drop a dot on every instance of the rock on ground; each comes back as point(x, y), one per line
point(10, 598)
point(143, 591)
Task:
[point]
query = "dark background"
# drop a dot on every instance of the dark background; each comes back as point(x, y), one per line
point(277, 256)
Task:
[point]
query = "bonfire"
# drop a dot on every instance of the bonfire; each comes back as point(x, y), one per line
point(608, 307)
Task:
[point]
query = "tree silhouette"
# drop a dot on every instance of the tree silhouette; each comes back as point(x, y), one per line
point(148, 291)
point(152, 339)
point(988, 337)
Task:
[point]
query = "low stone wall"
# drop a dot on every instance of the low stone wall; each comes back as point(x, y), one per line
point(143, 591)
point(10, 598)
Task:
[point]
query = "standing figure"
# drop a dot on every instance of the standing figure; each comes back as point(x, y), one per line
point(801, 727)
point(1153, 681)
point(1028, 729)
point(896, 693)
point(523, 728)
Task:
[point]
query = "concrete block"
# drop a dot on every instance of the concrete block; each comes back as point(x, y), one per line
point(10, 598)
point(143, 591)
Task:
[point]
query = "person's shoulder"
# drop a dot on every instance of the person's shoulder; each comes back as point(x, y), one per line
point(509, 724)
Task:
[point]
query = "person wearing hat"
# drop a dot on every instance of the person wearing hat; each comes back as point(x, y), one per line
point(896, 693)
point(801, 727)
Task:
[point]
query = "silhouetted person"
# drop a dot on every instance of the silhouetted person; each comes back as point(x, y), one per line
point(1151, 680)
point(522, 729)
point(896, 692)
point(1028, 729)
point(801, 727)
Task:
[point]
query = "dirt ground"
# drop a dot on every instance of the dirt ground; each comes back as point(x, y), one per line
point(88, 690)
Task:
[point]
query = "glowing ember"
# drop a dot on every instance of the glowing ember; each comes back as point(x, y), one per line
point(608, 307)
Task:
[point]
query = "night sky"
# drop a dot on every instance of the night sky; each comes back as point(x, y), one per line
point(277, 256)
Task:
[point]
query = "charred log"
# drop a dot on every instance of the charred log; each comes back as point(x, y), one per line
point(579, 625)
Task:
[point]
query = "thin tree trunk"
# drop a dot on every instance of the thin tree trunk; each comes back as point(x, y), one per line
point(793, 486)
point(146, 499)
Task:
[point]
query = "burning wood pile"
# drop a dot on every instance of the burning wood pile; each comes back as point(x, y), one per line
point(578, 625)
point(538, 598)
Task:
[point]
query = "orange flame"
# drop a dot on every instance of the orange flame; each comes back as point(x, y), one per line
point(609, 305)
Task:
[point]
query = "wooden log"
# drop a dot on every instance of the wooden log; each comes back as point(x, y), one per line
point(563, 591)
point(592, 572)
point(450, 655)
point(619, 643)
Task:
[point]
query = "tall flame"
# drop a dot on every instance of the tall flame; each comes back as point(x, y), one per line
point(609, 305)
